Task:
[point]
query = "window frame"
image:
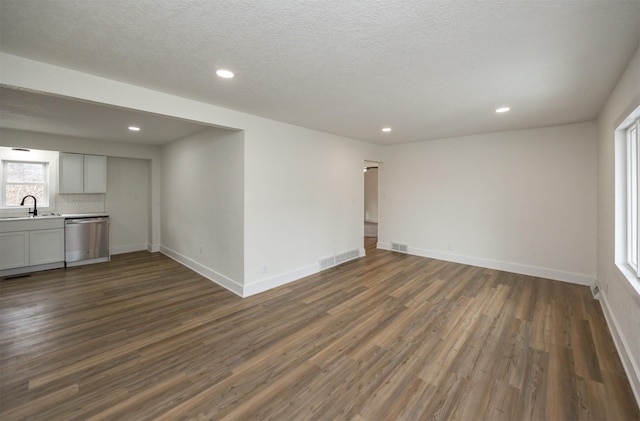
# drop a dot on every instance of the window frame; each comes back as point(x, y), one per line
point(632, 228)
point(46, 184)
point(625, 159)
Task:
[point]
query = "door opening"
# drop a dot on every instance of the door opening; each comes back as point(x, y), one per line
point(370, 204)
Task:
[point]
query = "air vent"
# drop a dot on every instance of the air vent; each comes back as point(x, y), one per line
point(399, 247)
point(327, 262)
point(350, 255)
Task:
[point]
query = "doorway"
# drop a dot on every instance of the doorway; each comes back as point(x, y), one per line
point(370, 204)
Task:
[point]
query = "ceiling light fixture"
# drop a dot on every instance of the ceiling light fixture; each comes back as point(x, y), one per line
point(21, 149)
point(226, 74)
point(502, 109)
point(134, 128)
point(386, 129)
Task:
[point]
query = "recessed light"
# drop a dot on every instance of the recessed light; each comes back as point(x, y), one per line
point(386, 129)
point(502, 109)
point(226, 74)
point(134, 128)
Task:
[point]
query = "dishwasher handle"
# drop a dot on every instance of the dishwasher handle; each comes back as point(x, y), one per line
point(86, 221)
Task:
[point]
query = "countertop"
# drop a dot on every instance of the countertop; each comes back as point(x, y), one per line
point(54, 216)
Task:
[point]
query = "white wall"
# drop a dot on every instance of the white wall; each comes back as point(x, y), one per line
point(620, 301)
point(522, 201)
point(202, 204)
point(127, 202)
point(304, 194)
point(371, 195)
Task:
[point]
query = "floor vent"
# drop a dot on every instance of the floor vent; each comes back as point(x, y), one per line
point(399, 247)
point(327, 262)
point(349, 255)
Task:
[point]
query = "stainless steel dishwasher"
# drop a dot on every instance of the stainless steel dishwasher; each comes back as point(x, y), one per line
point(86, 240)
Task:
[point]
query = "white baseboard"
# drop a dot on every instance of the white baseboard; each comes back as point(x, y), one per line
point(128, 248)
point(208, 273)
point(279, 280)
point(557, 275)
point(153, 248)
point(250, 289)
point(622, 346)
point(285, 278)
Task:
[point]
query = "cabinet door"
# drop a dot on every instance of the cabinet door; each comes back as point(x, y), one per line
point(46, 246)
point(71, 173)
point(14, 249)
point(95, 174)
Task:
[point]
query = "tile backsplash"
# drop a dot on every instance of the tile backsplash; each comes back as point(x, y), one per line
point(64, 203)
point(79, 203)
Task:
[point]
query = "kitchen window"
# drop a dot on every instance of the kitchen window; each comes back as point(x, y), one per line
point(22, 178)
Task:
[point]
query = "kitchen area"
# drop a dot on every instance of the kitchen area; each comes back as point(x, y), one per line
point(87, 208)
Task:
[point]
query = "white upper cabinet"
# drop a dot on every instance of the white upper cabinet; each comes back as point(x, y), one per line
point(95, 174)
point(71, 173)
point(83, 173)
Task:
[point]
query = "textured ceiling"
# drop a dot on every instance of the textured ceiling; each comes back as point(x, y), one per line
point(428, 69)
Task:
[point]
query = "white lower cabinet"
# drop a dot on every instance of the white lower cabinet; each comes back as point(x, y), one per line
point(14, 250)
point(30, 245)
point(46, 246)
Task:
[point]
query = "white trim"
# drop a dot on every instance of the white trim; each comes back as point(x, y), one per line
point(622, 346)
point(46, 190)
point(255, 287)
point(127, 248)
point(208, 273)
point(153, 248)
point(574, 278)
point(285, 278)
point(279, 280)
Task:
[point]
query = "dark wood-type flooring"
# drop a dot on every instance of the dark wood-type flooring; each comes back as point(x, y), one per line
point(390, 336)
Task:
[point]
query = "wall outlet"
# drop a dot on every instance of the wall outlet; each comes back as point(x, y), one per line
point(264, 268)
point(451, 247)
point(201, 248)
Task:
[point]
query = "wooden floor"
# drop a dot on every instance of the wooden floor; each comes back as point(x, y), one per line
point(386, 337)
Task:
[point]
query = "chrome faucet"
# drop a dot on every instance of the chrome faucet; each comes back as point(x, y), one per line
point(35, 205)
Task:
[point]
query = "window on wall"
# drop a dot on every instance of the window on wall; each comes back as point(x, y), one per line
point(22, 178)
point(633, 172)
